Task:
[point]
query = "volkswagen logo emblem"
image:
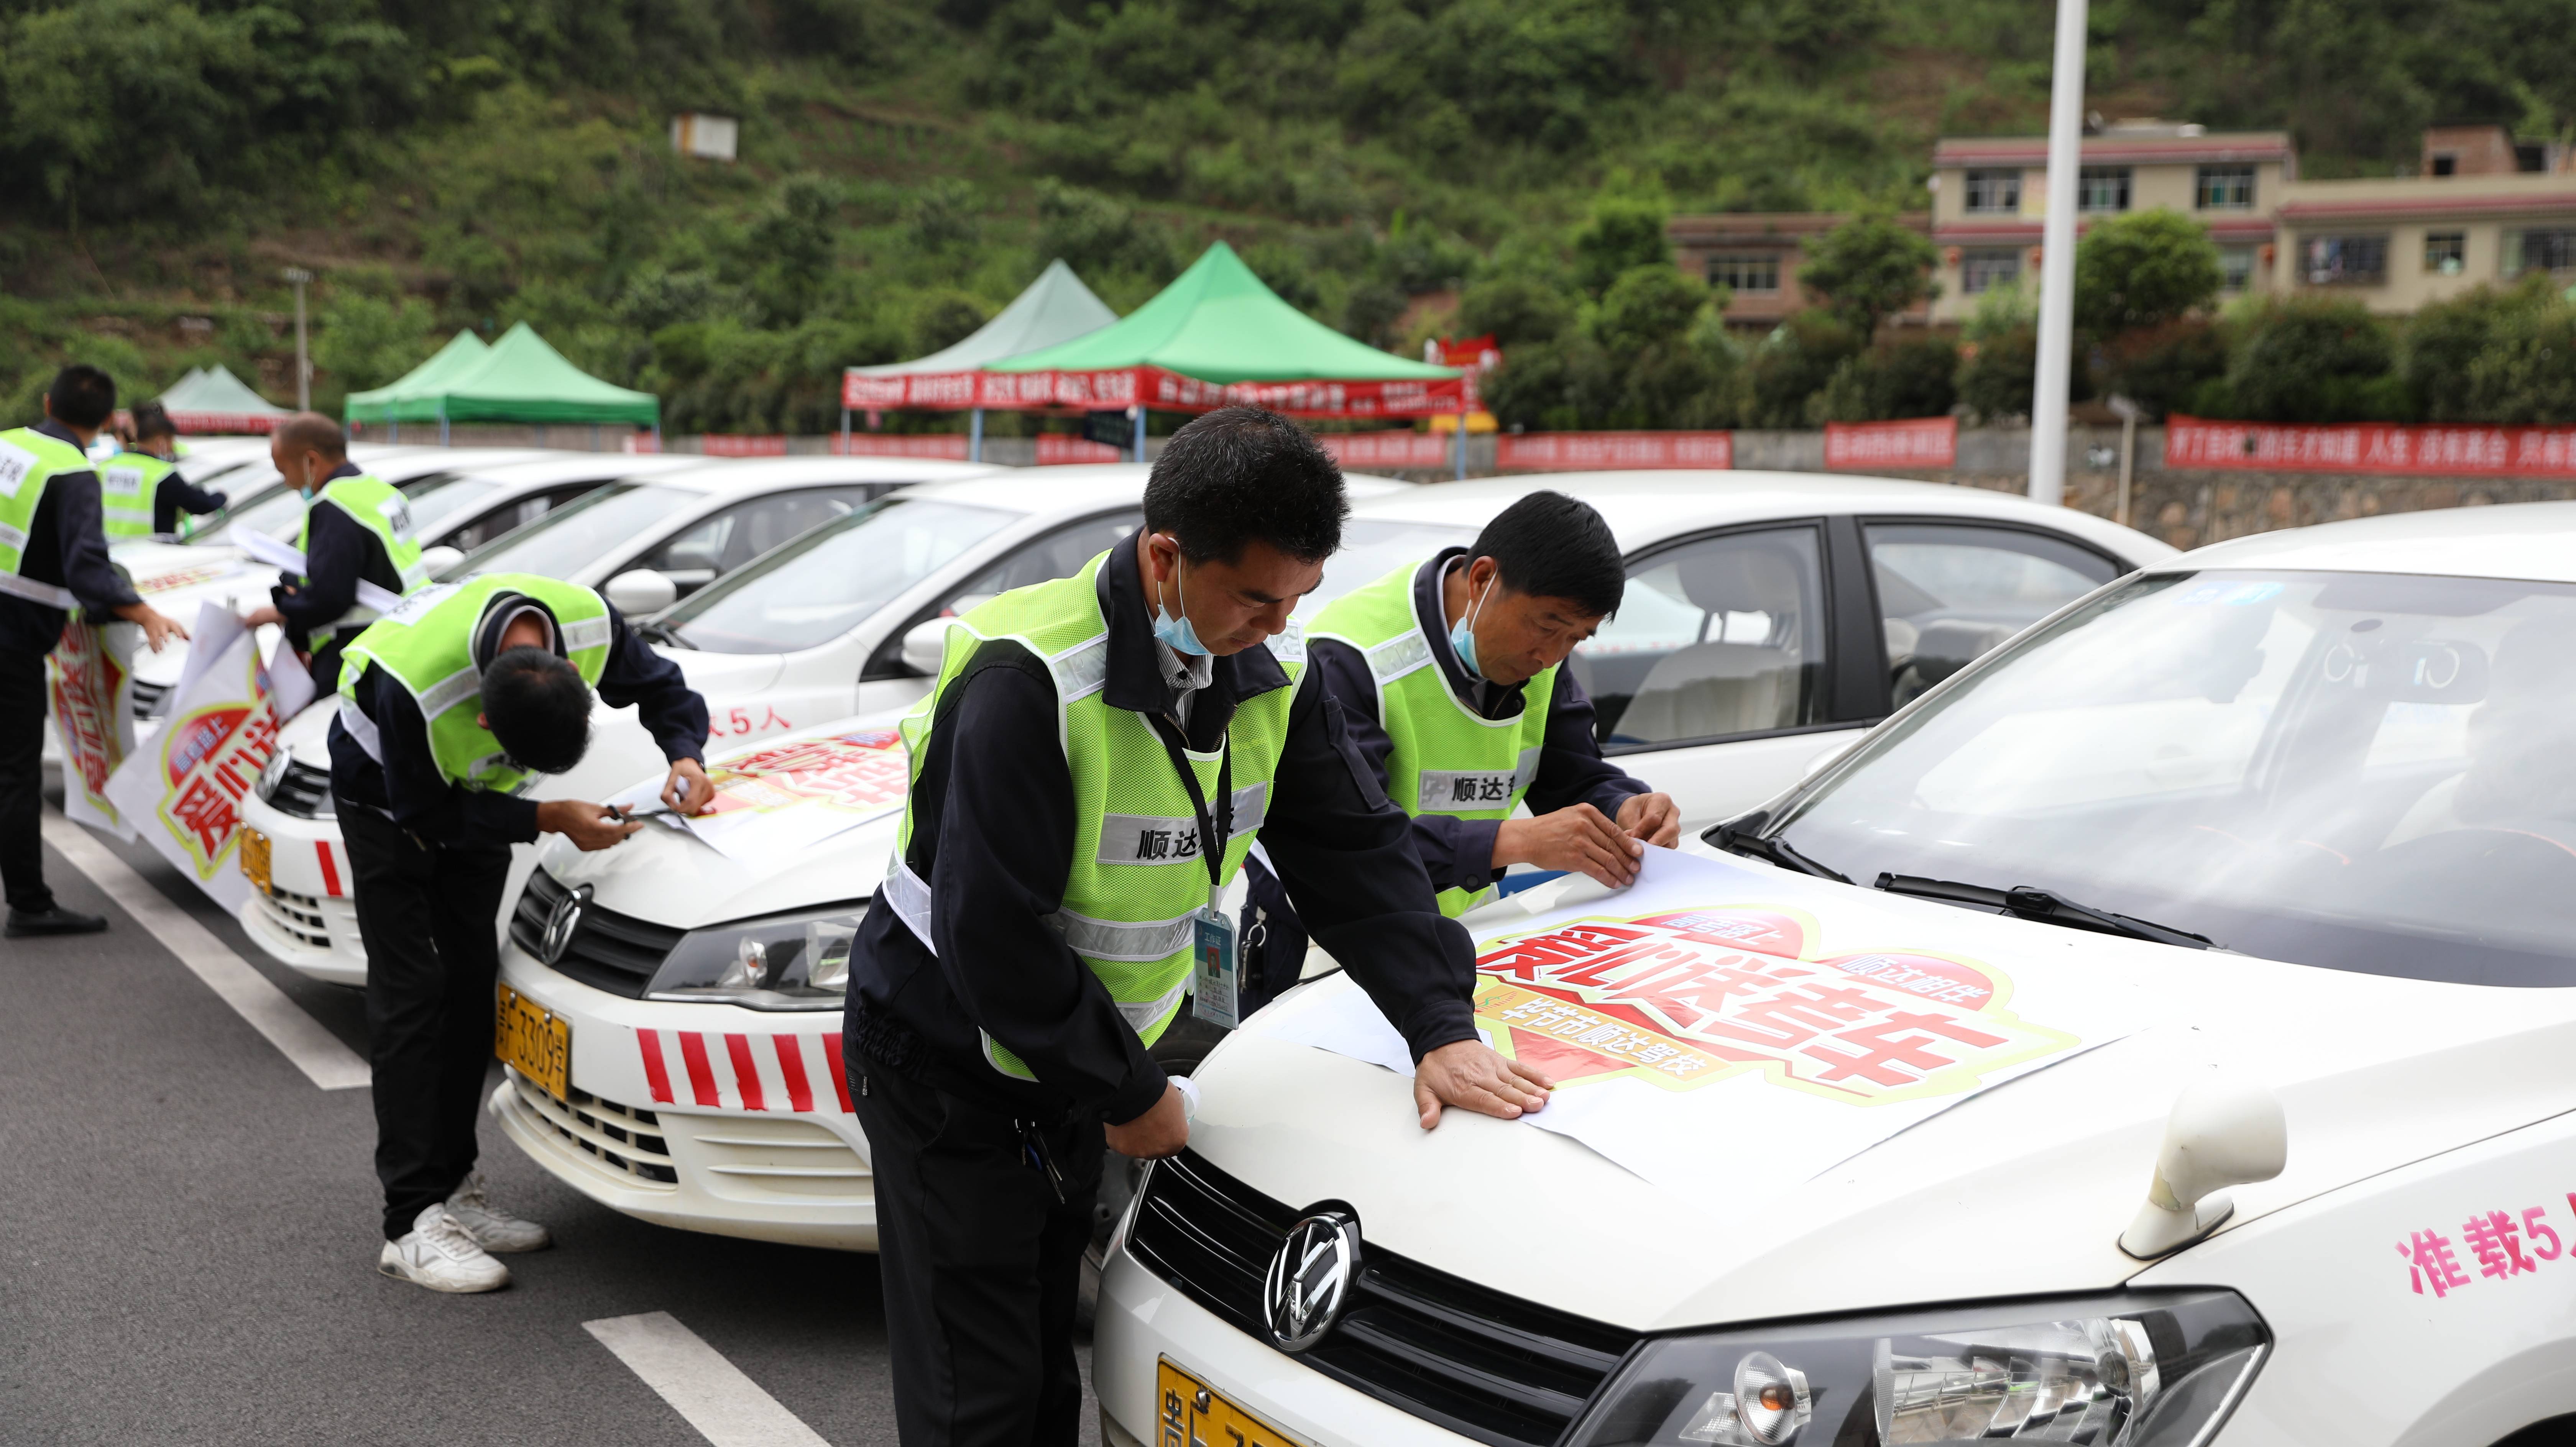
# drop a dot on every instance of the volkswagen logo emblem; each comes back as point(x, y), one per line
point(561, 922)
point(1310, 1279)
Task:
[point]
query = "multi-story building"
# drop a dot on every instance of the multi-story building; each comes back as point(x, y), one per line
point(2481, 209)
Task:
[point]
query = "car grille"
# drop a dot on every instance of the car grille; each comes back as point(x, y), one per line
point(150, 698)
point(1475, 1361)
point(794, 1162)
point(296, 916)
point(300, 791)
point(608, 951)
point(625, 1140)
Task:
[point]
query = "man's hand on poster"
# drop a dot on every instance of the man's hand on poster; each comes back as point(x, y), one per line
point(1470, 1076)
point(265, 613)
point(158, 628)
point(1653, 818)
point(688, 791)
point(1578, 837)
point(589, 826)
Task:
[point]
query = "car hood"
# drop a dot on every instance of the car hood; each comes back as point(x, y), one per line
point(177, 581)
point(728, 675)
point(2017, 1184)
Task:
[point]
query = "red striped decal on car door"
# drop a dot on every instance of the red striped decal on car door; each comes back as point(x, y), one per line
point(702, 1075)
point(746, 1075)
point(791, 1069)
point(650, 1042)
point(330, 871)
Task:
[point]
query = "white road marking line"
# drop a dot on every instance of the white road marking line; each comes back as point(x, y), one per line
point(298, 1036)
point(728, 1408)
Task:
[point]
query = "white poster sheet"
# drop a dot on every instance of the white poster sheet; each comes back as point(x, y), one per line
point(780, 799)
point(89, 691)
point(183, 792)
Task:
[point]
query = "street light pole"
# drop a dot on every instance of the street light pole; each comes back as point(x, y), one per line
point(2057, 259)
point(296, 277)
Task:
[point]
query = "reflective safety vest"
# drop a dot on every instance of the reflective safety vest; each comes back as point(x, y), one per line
point(385, 513)
point(28, 460)
point(1138, 882)
point(427, 646)
point(1447, 759)
point(126, 485)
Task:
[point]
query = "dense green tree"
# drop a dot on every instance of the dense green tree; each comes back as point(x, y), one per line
point(1793, 364)
point(2315, 359)
point(1868, 269)
point(1625, 230)
point(362, 341)
point(2143, 269)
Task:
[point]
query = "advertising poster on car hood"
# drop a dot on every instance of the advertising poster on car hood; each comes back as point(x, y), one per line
point(183, 792)
point(89, 691)
point(780, 799)
point(1706, 1006)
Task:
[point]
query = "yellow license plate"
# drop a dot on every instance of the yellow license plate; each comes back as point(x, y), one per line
point(254, 860)
point(1192, 1416)
point(533, 1042)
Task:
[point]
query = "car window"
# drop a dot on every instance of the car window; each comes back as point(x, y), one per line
point(468, 531)
point(1059, 554)
point(1721, 636)
point(825, 583)
point(733, 537)
point(1948, 592)
point(1375, 547)
point(569, 539)
point(438, 496)
point(276, 511)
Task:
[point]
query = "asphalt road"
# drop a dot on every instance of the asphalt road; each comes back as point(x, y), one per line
point(188, 1232)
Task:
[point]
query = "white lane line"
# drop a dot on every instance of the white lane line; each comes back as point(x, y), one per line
point(298, 1036)
point(728, 1408)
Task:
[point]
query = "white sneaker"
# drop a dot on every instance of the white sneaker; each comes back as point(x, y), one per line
point(439, 1255)
point(492, 1228)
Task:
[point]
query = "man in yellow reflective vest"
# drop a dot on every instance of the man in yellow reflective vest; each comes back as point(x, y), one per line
point(1090, 770)
point(356, 529)
point(1454, 674)
point(140, 487)
point(53, 558)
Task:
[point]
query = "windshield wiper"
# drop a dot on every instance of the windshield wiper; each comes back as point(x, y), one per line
point(654, 630)
point(2023, 902)
point(1736, 836)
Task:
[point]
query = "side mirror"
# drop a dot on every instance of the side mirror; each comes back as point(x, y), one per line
point(2222, 1132)
point(925, 644)
point(641, 592)
point(439, 559)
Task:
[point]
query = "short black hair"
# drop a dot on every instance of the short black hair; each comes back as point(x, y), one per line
point(1240, 475)
point(1549, 545)
point(151, 419)
point(537, 706)
point(83, 396)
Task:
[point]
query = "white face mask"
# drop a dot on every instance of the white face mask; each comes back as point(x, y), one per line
point(1462, 634)
point(1178, 634)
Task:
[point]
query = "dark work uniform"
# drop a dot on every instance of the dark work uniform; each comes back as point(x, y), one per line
point(1457, 853)
point(430, 860)
point(980, 1253)
point(337, 553)
point(176, 494)
point(67, 547)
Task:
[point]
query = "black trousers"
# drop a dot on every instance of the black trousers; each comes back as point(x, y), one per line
point(325, 666)
point(982, 1262)
point(22, 781)
point(426, 914)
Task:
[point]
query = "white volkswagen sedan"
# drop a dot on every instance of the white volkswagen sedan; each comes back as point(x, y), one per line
point(2142, 1038)
point(662, 1073)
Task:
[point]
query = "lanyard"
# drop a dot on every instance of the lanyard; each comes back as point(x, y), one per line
point(1213, 830)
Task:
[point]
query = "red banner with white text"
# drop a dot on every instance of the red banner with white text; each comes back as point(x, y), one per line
point(950, 446)
point(2371, 447)
point(723, 444)
point(1914, 442)
point(1582, 451)
point(1365, 450)
point(1120, 388)
point(1055, 449)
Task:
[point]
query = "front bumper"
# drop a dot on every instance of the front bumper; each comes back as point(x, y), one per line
point(1143, 1319)
point(702, 1117)
point(308, 919)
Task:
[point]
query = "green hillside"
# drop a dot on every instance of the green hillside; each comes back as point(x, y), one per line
point(907, 167)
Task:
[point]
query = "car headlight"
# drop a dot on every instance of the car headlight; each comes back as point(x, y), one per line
point(797, 961)
point(2135, 1369)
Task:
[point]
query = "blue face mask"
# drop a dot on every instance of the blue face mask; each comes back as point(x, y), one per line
point(1177, 634)
point(1462, 636)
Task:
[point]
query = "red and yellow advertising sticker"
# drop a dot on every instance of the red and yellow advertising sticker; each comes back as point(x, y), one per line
point(1682, 999)
point(865, 770)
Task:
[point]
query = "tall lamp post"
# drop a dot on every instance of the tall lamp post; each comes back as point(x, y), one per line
point(296, 277)
point(2057, 259)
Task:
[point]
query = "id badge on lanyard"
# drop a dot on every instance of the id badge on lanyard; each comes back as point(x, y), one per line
point(1216, 971)
point(1215, 962)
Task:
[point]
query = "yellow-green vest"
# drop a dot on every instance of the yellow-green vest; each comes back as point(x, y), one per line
point(1447, 759)
point(127, 484)
point(1137, 883)
point(385, 513)
point(427, 646)
point(28, 460)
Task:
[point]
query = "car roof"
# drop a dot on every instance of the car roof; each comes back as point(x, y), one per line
point(574, 467)
point(1645, 508)
point(759, 474)
point(1085, 487)
point(2529, 540)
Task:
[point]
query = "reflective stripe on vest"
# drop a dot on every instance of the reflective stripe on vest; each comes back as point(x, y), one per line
point(1136, 882)
point(127, 485)
point(427, 646)
point(385, 513)
point(1447, 758)
point(28, 460)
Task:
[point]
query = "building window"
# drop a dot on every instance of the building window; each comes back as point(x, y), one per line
point(2346, 260)
point(2552, 250)
point(2102, 188)
point(2226, 188)
point(2530, 156)
point(2236, 267)
point(1985, 269)
point(2446, 163)
point(2446, 253)
point(1992, 191)
point(1742, 274)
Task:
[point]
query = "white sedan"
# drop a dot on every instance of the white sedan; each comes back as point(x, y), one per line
point(661, 1077)
point(2154, 1034)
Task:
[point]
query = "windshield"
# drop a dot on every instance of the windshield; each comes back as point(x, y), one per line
point(2364, 771)
point(1375, 547)
point(439, 496)
point(823, 584)
point(573, 537)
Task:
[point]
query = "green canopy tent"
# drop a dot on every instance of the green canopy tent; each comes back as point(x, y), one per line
point(214, 400)
point(377, 404)
point(521, 379)
point(1055, 308)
